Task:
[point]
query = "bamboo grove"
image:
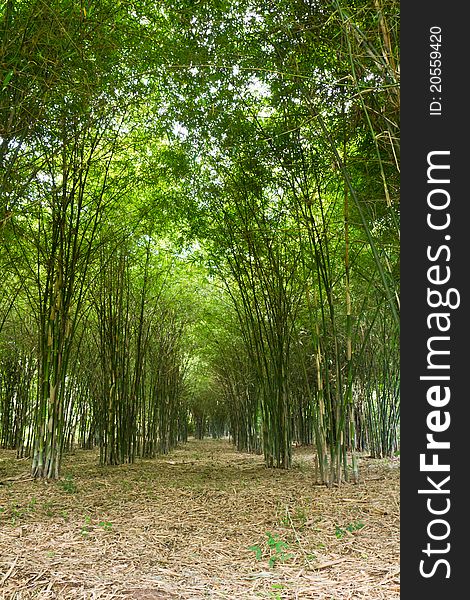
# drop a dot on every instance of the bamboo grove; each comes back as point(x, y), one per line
point(199, 229)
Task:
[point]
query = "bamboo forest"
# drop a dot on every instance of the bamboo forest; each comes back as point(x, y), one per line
point(199, 299)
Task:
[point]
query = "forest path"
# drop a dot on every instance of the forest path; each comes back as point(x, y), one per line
point(203, 522)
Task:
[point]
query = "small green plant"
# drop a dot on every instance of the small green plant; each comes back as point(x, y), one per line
point(311, 556)
point(300, 517)
point(106, 525)
point(48, 509)
point(297, 520)
point(355, 526)
point(340, 533)
point(85, 530)
point(257, 550)
point(16, 512)
point(285, 521)
point(68, 484)
point(278, 549)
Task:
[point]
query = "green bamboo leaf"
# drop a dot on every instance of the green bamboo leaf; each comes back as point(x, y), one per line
point(7, 79)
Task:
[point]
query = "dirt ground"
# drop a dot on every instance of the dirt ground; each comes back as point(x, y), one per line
point(202, 522)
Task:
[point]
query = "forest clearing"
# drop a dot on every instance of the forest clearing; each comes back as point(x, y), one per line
point(199, 299)
point(189, 525)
